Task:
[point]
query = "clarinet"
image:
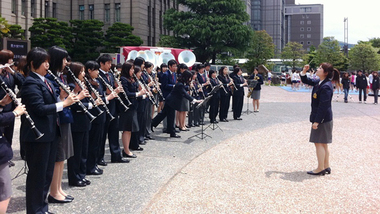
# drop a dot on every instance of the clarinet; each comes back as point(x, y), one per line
point(93, 90)
point(203, 93)
point(142, 85)
point(82, 87)
point(7, 90)
point(193, 90)
point(221, 84)
point(65, 88)
point(155, 86)
point(123, 92)
point(231, 80)
point(112, 91)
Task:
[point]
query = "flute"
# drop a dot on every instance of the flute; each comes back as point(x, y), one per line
point(82, 87)
point(112, 91)
point(12, 95)
point(123, 92)
point(66, 89)
point(97, 95)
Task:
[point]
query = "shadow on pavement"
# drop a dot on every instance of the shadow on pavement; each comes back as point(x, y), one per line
point(16, 205)
point(297, 176)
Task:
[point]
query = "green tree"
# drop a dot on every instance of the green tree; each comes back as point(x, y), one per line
point(310, 57)
point(364, 57)
point(210, 27)
point(120, 34)
point(261, 49)
point(16, 32)
point(47, 32)
point(169, 41)
point(329, 51)
point(292, 54)
point(4, 27)
point(88, 39)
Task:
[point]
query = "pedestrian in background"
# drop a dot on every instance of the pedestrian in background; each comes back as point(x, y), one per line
point(375, 86)
point(346, 86)
point(361, 84)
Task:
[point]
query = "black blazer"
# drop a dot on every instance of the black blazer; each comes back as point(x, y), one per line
point(260, 81)
point(238, 80)
point(174, 98)
point(215, 82)
point(225, 81)
point(101, 118)
point(130, 88)
point(81, 123)
point(113, 104)
point(6, 154)
point(11, 81)
point(167, 82)
point(375, 83)
point(40, 104)
point(361, 81)
point(346, 82)
point(321, 97)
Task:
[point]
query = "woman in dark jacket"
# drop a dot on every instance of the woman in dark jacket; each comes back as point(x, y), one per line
point(172, 103)
point(375, 86)
point(321, 114)
point(346, 85)
point(225, 96)
point(214, 101)
point(256, 90)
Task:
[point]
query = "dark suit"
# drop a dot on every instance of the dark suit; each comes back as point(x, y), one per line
point(321, 97)
point(6, 153)
point(172, 103)
point(238, 96)
point(361, 84)
point(224, 97)
point(214, 101)
point(111, 127)
point(40, 154)
point(168, 81)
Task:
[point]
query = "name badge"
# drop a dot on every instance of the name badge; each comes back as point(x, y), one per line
point(315, 95)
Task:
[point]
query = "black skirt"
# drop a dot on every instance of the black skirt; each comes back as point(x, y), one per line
point(128, 121)
point(323, 134)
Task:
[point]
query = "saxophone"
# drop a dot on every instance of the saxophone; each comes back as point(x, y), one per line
point(252, 85)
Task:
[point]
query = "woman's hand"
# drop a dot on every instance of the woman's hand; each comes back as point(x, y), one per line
point(315, 125)
point(305, 68)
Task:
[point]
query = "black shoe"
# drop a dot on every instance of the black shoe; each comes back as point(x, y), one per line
point(190, 125)
point(48, 212)
point(196, 125)
point(11, 163)
point(149, 137)
point(225, 120)
point(77, 184)
point(151, 128)
point(328, 170)
point(238, 118)
point(69, 197)
point(323, 172)
point(102, 163)
point(138, 149)
point(88, 182)
point(53, 200)
point(121, 161)
point(95, 172)
point(201, 123)
point(129, 156)
point(99, 169)
point(175, 135)
point(142, 143)
point(184, 130)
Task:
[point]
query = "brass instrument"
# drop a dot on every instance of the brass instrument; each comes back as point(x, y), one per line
point(97, 95)
point(252, 84)
point(12, 95)
point(112, 91)
point(67, 90)
point(147, 89)
point(119, 84)
point(82, 87)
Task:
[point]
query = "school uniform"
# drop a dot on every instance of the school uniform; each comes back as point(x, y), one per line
point(194, 112)
point(214, 101)
point(375, 88)
point(361, 84)
point(238, 96)
point(321, 111)
point(224, 98)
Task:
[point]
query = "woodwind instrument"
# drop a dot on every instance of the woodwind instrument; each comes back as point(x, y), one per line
point(193, 90)
point(155, 85)
point(200, 86)
point(82, 87)
point(143, 85)
point(112, 91)
point(221, 85)
point(8, 66)
point(116, 74)
point(233, 83)
point(12, 95)
point(97, 95)
point(67, 90)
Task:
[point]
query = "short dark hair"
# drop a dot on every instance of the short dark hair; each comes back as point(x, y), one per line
point(38, 56)
point(172, 62)
point(207, 64)
point(148, 64)
point(185, 77)
point(92, 65)
point(236, 70)
point(104, 58)
point(119, 65)
point(163, 65)
point(57, 54)
point(139, 61)
point(5, 56)
point(210, 73)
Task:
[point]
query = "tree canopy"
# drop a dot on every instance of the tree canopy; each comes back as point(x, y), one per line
point(292, 54)
point(364, 57)
point(260, 49)
point(209, 27)
point(120, 34)
point(329, 51)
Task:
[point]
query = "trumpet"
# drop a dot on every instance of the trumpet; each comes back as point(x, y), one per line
point(143, 85)
point(82, 87)
point(67, 90)
point(12, 95)
point(112, 91)
point(117, 74)
point(97, 95)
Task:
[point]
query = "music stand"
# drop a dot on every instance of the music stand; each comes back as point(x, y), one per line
point(23, 171)
point(248, 111)
point(202, 135)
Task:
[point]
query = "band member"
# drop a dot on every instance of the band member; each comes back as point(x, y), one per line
point(147, 76)
point(111, 126)
point(172, 103)
point(256, 90)
point(224, 97)
point(214, 101)
point(128, 120)
point(238, 96)
point(97, 125)
point(168, 81)
point(184, 107)
point(196, 92)
point(163, 69)
point(76, 165)
point(135, 136)
point(40, 100)
point(321, 114)
point(204, 85)
point(6, 153)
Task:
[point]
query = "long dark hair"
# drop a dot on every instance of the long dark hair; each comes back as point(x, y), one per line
point(125, 68)
point(221, 70)
point(332, 73)
point(185, 77)
point(57, 54)
point(92, 65)
point(76, 68)
point(37, 56)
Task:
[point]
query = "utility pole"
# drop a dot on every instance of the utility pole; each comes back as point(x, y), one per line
point(345, 46)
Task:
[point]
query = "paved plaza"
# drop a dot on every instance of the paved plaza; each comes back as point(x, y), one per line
point(257, 165)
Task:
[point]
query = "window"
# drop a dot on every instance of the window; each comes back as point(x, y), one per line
point(13, 6)
point(81, 12)
point(91, 11)
point(302, 36)
point(149, 18)
point(309, 22)
point(23, 7)
point(46, 9)
point(302, 22)
point(32, 9)
point(54, 10)
point(301, 42)
point(305, 9)
point(308, 36)
point(309, 29)
point(106, 13)
point(302, 29)
point(308, 42)
point(117, 12)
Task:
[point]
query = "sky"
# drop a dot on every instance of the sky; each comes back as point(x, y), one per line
point(363, 18)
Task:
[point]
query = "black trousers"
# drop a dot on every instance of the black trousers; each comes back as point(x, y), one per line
point(112, 129)
point(364, 92)
point(214, 108)
point(375, 95)
point(40, 158)
point(141, 117)
point(169, 113)
point(148, 118)
point(194, 115)
point(224, 106)
point(94, 143)
point(76, 165)
point(237, 106)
